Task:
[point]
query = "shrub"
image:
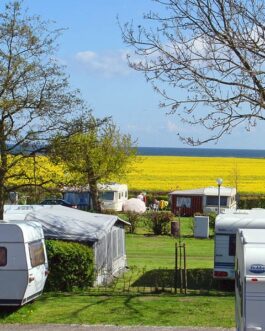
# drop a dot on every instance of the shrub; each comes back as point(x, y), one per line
point(212, 216)
point(108, 211)
point(70, 265)
point(133, 218)
point(160, 222)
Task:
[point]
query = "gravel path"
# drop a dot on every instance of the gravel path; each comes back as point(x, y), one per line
point(74, 327)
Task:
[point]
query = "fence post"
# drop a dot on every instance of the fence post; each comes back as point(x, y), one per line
point(180, 268)
point(176, 268)
point(185, 269)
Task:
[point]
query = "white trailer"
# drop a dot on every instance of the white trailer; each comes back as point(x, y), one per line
point(250, 279)
point(23, 262)
point(226, 226)
point(113, 196)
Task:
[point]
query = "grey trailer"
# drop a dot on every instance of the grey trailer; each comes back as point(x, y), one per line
point(250, 280)
point(226, 226)
point(23, 262)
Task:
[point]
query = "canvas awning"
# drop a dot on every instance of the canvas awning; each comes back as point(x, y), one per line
point(66, 223)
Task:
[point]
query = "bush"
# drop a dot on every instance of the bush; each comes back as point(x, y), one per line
point(108, 211)
point(71, 265)
point(160, 222)
point(212, 216)
point(133, 218)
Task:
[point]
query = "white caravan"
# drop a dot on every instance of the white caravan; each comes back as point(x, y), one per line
point(250, 280)
point(23, 262)
point(113, 196)
point(226, 226)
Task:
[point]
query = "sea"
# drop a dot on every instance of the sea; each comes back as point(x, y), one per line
point(203, 152)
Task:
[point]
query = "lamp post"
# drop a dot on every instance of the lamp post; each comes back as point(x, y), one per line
point(219, 182)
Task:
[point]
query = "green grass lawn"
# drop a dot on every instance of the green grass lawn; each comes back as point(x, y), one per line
point(163, 310)
point(159, 251)
point(122, 304)
point(149, 251)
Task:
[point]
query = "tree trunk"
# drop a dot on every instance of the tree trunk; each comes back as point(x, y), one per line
point(2, 201)
point(2, 185)
point(3, 168)
point(94, 195)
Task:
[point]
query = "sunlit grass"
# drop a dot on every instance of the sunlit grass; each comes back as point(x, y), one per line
point(194, 310)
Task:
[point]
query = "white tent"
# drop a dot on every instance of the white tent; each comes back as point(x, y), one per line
point(134, 205)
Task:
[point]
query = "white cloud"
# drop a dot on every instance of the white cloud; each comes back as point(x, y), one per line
point(110, 63)
point(172, 127)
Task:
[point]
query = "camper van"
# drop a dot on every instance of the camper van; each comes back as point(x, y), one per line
point(226, 226)
point(250, 279)
point(23, 262)
point(113, 196)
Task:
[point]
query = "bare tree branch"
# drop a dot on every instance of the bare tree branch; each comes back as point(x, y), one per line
point(206, 59)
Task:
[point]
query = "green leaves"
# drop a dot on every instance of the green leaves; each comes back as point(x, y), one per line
point(71, 265)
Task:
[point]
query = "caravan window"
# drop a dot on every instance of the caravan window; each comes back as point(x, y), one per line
point(232, 245)
point(213, 201)
point(3, 256)
point(183, 202)
point(108, 195)
point(36, 252)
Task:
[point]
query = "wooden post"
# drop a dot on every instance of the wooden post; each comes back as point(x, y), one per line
point(185, 269)
point(176, 268)
point(180, 268)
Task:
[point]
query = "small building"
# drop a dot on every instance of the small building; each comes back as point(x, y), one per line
point(203, 200)
point(112, 196)
point(104, 233)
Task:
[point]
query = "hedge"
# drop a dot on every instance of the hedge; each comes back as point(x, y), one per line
point(71, 265)
point(251, 202)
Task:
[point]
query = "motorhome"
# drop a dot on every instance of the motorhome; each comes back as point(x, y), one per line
point(23, 262)
point(250, 279)
point(226, 226)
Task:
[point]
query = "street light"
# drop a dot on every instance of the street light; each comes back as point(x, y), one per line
point(219, 182)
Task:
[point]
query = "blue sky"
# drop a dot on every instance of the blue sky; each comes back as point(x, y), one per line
point(95, 56)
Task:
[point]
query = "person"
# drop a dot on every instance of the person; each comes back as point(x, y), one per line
point(144, 197)
point(155, 204)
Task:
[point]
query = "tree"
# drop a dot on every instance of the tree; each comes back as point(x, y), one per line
point(35, 98)
point(206, 59)
point(234, 177)
point(97, 152)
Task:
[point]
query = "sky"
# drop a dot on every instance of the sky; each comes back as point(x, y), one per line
point(92, 49)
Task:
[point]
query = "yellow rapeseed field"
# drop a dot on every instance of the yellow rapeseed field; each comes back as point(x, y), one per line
point(167, 173)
